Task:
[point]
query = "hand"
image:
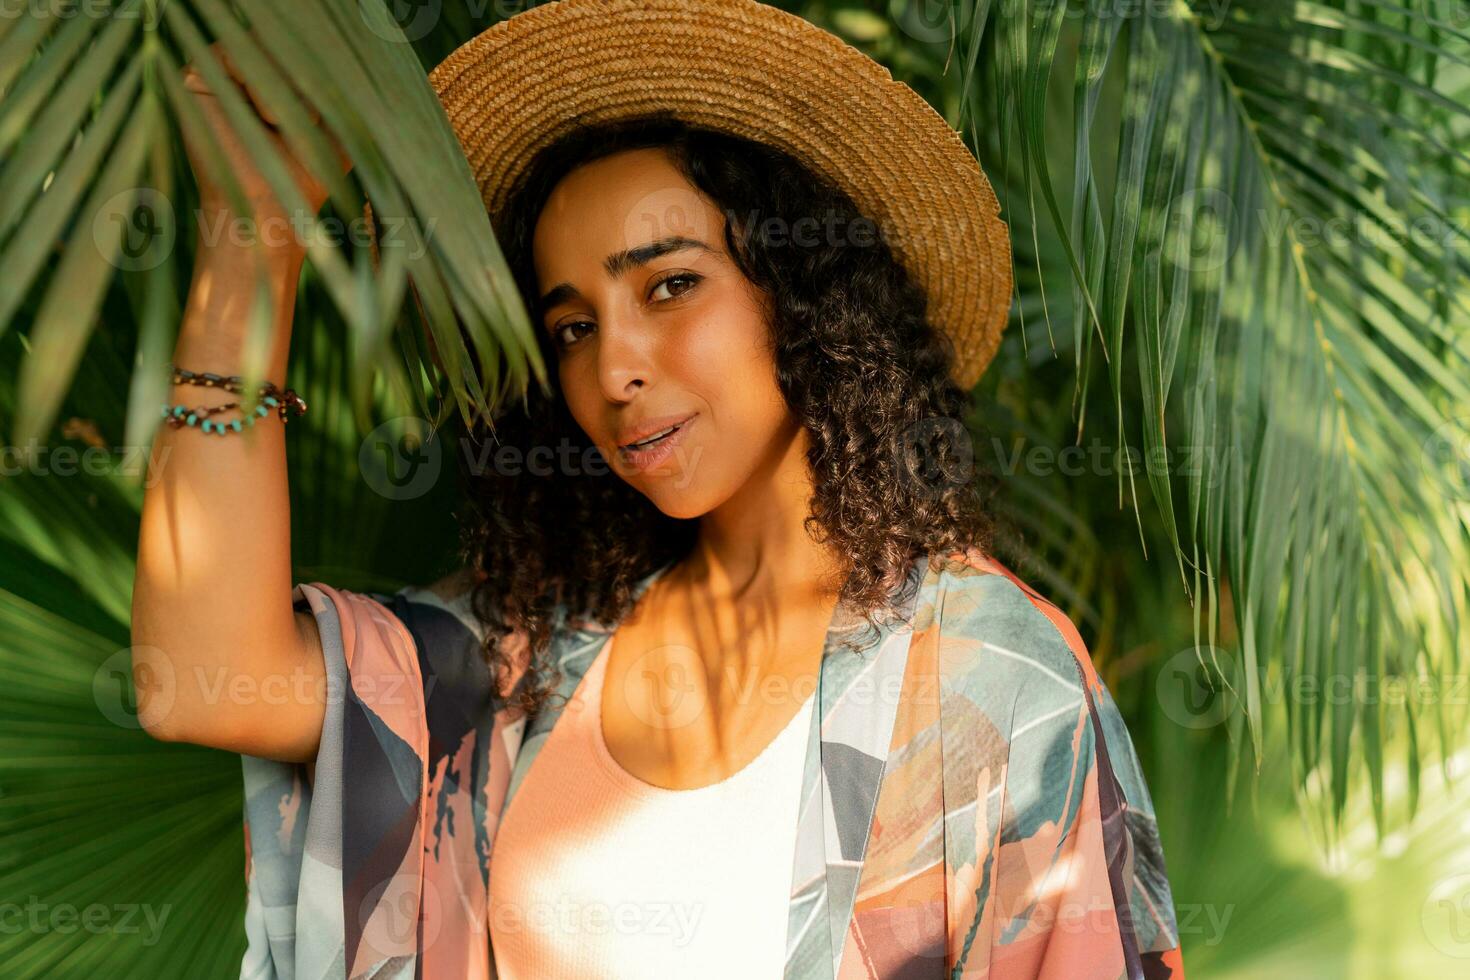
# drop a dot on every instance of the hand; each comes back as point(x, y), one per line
point(257, 191)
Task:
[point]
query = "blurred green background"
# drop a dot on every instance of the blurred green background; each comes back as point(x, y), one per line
point(1240, 234)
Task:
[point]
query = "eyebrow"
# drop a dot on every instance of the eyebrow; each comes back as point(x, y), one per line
point(619, 262)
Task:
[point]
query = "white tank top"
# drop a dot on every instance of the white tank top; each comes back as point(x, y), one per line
point(596, 873)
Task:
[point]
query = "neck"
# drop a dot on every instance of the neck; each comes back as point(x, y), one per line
point(756, 544)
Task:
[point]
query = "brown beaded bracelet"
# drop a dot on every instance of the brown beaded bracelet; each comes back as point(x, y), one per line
point(179, 416)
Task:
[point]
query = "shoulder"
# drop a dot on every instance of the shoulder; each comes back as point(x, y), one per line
point(435, 621)
point(1011, 657)
point(1014, 669)
point(1029, 715)
point(989, 618)
point(445, 599)
point(455, 585)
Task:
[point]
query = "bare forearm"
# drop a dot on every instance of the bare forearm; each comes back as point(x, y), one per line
point(213, 586)
point(212, 597)
point(214, 331)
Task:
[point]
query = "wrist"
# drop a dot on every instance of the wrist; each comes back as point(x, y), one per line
point(268, 235)
point(215, 333)
point(237, 269)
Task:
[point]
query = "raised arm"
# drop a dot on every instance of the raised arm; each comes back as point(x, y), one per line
point(219, 656)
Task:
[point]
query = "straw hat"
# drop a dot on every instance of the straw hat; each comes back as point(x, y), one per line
point(751, 70)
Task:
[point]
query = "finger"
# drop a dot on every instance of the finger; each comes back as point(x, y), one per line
point(194, 82)
point(261, 109)
point(260, 106)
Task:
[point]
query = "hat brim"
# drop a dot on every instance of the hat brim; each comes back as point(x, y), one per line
point(752, 70)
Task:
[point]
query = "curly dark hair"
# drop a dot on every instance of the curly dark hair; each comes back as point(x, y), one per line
point(857, 361)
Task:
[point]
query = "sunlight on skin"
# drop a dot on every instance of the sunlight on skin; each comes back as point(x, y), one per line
point(674, 334)
point(640, 345)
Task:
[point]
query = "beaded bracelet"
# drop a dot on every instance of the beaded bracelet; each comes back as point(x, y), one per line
point(179, 416)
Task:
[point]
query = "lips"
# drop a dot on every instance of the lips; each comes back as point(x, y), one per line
point(652, 439)
point(658, 447)
point(645, 433)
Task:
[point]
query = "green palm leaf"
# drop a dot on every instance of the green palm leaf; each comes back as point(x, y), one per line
point(1175, 177)
point(99, 819)
point(1321, 378)
point(73, 183)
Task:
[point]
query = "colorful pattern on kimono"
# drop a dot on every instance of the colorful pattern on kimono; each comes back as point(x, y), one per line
point(972, 804)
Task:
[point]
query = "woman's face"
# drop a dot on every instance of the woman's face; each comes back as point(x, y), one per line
point(654, 325)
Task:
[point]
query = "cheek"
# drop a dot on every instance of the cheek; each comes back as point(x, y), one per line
point(733, 367)
point(728, 353)
point(580, 394)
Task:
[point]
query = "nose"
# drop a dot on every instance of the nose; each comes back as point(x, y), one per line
point(624, 356)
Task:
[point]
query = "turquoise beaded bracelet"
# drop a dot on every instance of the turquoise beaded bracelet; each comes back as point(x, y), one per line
point(181, 416)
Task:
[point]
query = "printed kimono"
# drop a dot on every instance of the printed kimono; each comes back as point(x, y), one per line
point(990, 820)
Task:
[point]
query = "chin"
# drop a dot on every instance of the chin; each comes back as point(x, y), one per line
point(675, 500)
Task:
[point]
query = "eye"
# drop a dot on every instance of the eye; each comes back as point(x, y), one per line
point(557, 336)
point(690, 279)
point(686, 277)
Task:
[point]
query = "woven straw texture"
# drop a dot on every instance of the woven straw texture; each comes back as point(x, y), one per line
point(748, 69)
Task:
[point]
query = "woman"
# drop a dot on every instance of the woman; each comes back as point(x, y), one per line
point(834, 737)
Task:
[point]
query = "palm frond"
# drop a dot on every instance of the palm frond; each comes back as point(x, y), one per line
point(83, 186)
point(96, 814)
point(1247, 249)
point(1252, 216)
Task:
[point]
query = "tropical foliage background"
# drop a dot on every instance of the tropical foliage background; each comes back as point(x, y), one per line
point(1232, 414)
